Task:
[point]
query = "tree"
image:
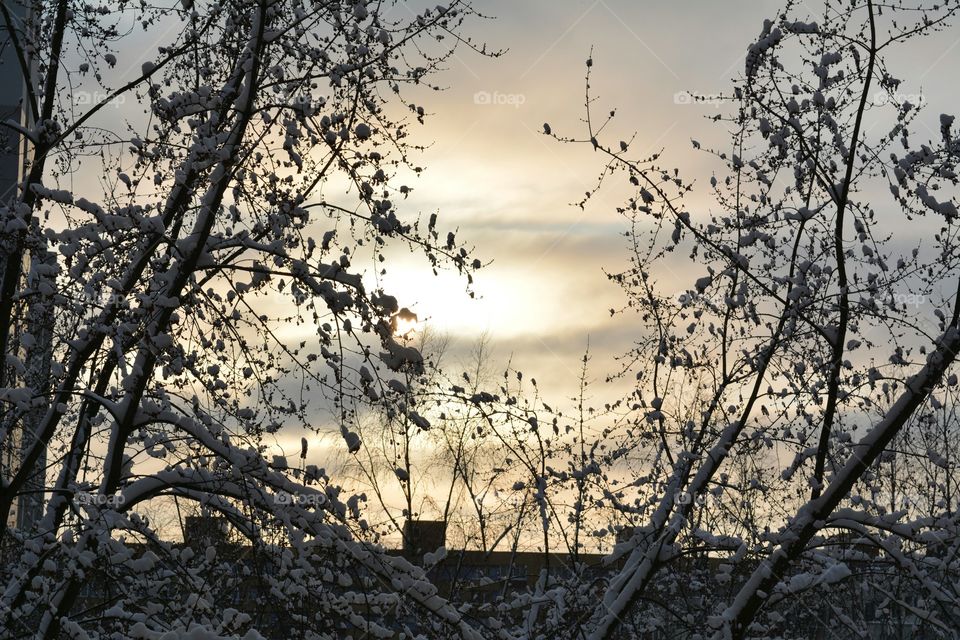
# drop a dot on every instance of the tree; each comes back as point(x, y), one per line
point(439, 459)
point(164, 323)
point(207, 291)
point(794, 348)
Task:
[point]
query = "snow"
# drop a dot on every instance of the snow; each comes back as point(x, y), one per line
point(154, 292)
point(801, 27)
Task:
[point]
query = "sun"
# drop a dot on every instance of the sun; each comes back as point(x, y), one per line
point(404, 323)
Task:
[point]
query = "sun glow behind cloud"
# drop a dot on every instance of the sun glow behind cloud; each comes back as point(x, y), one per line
point(443, 303)
point(506, 189)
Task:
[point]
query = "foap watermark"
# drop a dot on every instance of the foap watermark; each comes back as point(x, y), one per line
point(685, 497)
point(898, 300)
point(685, 97)
point(713, 299)
point(81, 98)
point(299, 499)
point(496, 98)
point(914, 300)
point(99, 499)
point(881, 98)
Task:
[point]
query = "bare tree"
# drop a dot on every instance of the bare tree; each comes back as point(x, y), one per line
point(183, 283)
point(228, 205)
point(794, 351)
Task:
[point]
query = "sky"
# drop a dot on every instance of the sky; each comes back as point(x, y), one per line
point(509, 188)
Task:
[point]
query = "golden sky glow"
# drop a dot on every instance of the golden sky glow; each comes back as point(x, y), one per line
point(508, 189)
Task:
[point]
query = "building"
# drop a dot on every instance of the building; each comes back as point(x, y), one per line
point(28, 507)
point(482, 581)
